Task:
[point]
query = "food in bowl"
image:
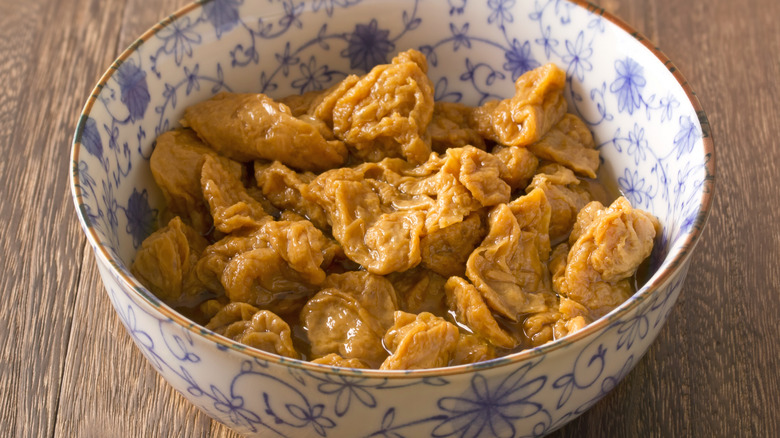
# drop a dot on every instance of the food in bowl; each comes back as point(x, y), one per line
point(368, 226)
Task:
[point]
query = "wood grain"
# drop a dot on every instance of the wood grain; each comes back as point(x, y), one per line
point(69, 369)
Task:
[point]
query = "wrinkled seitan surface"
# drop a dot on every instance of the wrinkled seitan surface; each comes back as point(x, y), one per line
point(248, 127)
point(282, 187)
point(605, 255)
point(335, 360)
point(419, 290)
point(420, 341)
point(349, 317)
point(509, 267)
point(368, 226)
point(256, 328)
point(386, 112)
point(176, 163)
point(449, 127)
point(446, 250)
point(231, 206)
point(569, 143)
point(537, 105)
point(166, 262)
point(519, 163)
point(470, 309)
point(565, 196)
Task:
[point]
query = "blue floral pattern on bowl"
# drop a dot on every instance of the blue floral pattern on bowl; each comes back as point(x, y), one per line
point(653, 140)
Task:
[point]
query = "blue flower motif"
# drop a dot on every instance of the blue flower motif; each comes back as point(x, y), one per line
point(109, 201)
point(440, 91)
point(489, 410)
point(637, 145)
point(500, 12)
point(547, 41)
point(459, 37)
point(291, 14)
point(313, 415)
point(286, 59)
point(223, 14)
point(633, 187)
point(170, 95)
point(192, 78)
point(519, 59)
point(578, 57)
point(134, 89)
point(668, 104)
point(90, 138)
point(314, 78)
point(686, 136)
point(345, 388)
point(628, 85)
point(234, 408)
point(688, 222)
point(633, 329)
point(140, 217)
point(368, 46)
point(179, 38)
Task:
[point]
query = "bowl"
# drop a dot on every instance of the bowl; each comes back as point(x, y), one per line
point(653, 137)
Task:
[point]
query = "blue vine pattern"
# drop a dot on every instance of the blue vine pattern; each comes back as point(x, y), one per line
point(139, 99)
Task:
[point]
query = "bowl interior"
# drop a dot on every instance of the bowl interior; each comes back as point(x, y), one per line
point(652, 136)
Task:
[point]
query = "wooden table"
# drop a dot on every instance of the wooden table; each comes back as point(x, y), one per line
point(68, 368)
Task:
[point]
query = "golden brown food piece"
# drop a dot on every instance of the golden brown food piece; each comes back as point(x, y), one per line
point(322, 106)
point(386, 112)
point(569, 143)
point(471, 349)
point(450, 128)
point(285, 271)
point(165, 263)
point(562, 319)
point(520, 165)
point(480, 173)
point(463, 181)
point(216, 256)
point(301, 104)
point(209, 308)
point(302, 246)
point(585, 217)
point(605, 255)
point(564, 316)
point(419, 290)
point(276, 267)
point(231, 207)
point(509, 268)
point(349, 316)
point(335, 360)
point(365, 222)
point(260, 329)
point(247, 127)
point(566, 197)
point(283, 186)
point(538, 104)
point(419, 341)
point(176, 163)
point(446, 250)
point(470, 310)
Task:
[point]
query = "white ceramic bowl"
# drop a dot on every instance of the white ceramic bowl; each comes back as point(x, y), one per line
point(653, 136)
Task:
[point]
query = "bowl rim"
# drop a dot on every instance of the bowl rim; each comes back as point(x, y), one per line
point(662, 277)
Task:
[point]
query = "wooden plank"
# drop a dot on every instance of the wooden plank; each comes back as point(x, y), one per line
point(16, 45)
point(108, 388)
point(42, 244)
